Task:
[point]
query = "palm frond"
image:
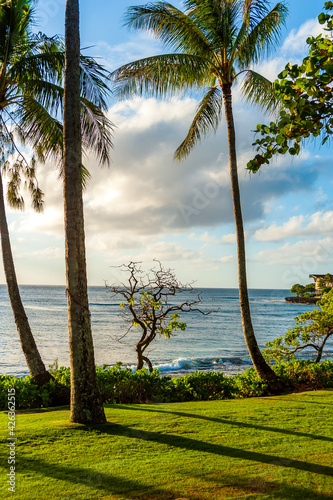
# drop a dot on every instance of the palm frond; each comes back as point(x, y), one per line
point(162, 75)
point(39, 128)
point(96, 131)
point(49, 95)
point(262, 37)
point(171, 26)
point(254, 11)
point(94, 85)
point(207, 119)
point(217, 20)
point(13, 172)
point(258, 90)
point(44, 64)
point(86, 176)
point(36, 194)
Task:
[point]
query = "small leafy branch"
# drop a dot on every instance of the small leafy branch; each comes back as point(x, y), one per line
point(16, 167)
point(312, 330)
point(304, 290)
point(306, 100)
point(150, 305)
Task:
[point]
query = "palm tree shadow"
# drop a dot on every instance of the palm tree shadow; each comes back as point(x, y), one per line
point(276, 490)
point(185, 443)
point(226, 421)
point(92, 479)
point(140, 490)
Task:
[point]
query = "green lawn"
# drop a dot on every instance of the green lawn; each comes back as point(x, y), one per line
point(275, 447)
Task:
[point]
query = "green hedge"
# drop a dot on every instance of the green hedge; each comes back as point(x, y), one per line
point(120, 385)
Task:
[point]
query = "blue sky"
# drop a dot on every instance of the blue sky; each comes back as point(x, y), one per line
point(146, 206)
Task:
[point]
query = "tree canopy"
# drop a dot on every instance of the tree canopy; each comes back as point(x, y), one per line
point(153, 301)
point(312, 330)
point(306, 100)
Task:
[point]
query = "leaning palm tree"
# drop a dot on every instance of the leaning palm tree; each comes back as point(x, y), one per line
point(214, 43)
point(31, 102)
point(86, 404)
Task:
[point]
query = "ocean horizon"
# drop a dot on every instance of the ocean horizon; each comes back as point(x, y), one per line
point(214, 342)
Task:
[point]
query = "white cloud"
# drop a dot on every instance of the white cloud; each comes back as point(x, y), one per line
point(295, 43)
point(145, 195)
point(49, 252)
point(227, 238)
point(309, 254)
point(137, 47)
point(205, 238)
point(315, 225)
point(228, 258)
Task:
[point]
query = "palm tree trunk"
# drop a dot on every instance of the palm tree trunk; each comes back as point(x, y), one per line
point(35, 364)
point(263, 369)
point(86, 404)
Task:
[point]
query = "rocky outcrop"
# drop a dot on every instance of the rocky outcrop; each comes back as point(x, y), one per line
point(303, 300)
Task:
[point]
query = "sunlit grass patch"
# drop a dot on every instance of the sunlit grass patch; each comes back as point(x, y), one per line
point(277, 447)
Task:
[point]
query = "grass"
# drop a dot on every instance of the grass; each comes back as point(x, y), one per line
point(277, 447)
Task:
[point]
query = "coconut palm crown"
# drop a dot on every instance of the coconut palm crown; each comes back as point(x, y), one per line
point(31, 86)
point(213, 44)
point(31, 108)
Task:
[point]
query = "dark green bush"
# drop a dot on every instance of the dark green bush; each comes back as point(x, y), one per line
point(118, 385)
point(121, 385)
point(29, 395)
point(201, 386)
point(248, 384)
point(300, 374)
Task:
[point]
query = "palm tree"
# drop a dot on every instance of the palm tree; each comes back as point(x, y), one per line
point(31, 99)
point(86, 404)
point(214, 43)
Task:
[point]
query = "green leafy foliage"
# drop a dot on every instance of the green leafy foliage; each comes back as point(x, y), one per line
point(306, 99)
point(31, 101)
point(121, 385)
point(312, 330)
point(300, 374)
point(304, 290)
point(30, 395)
point(326, 283)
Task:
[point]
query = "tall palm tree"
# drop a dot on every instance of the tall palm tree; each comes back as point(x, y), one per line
point(86, 404)
point(214, 43)
point(31, 100)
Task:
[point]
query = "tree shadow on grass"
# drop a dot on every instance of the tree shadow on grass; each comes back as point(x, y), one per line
point(106, 484)
point(226, 421)
point(91, 479)
point(178, 441)
point(111, 484)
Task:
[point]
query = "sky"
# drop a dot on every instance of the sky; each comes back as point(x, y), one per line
point(145, 206)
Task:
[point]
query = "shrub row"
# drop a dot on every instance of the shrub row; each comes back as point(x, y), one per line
point(121, 385)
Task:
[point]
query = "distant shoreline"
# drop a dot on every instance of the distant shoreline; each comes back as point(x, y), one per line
point(303, 300)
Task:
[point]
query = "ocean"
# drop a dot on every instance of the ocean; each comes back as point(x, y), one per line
point(213, 342)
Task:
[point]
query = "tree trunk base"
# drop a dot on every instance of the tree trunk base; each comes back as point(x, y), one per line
point(86, 416)
point(42, 378)
point(276, 387)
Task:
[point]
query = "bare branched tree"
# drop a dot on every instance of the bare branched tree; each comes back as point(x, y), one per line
point(152, 304)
